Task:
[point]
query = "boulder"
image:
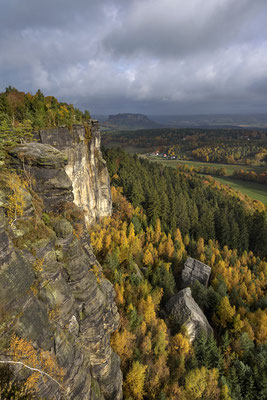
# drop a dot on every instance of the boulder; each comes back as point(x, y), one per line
point(195, 270)
point(183, 310)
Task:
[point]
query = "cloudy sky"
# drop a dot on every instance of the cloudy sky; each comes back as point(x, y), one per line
point(148, 56)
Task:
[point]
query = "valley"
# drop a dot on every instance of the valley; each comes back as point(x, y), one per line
point(236, 158)
point(254, 190)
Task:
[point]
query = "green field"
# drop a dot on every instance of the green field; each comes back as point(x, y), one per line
point(229, 168)
point(254, 190)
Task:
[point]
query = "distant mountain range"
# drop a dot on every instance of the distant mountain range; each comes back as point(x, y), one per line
point(131, 121)
point(212, 120)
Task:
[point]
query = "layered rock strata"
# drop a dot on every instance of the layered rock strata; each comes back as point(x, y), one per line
point(52, 292)
point(44, 165)
point(86, 167)
point(195, 270)
point(183, 310)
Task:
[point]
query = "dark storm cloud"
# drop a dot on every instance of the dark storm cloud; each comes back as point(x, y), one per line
point(22, 14)
point(176, 28)
point(167, 56)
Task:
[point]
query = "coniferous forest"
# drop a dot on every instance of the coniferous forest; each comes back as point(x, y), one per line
point(161, 217)
point(194, 205)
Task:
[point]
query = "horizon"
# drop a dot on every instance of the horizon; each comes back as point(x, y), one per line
point(184, 115)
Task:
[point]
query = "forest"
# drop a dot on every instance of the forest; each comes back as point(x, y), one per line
point(197, 207)
point(37, 110)
point(218, 145)
point(246, 175)
point(23, 113)
point(236, 157)
point(161, 217)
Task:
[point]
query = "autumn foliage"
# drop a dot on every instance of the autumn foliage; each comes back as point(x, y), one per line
point(142, 261)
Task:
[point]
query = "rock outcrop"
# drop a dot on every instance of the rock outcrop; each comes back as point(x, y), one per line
point(45, 165)
point(183, 310)
point(195, 270)
point(86, 167)
point(52, 291)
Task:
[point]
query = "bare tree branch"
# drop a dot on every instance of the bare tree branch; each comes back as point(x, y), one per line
point(32, 369)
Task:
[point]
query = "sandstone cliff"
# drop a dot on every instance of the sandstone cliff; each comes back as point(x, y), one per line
point(52, 292)
point(86, 167)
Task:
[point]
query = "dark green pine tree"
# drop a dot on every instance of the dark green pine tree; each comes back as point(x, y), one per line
point(136, 195)
point(183, 221)
point(236, 393)
point(207, 352)
point(222, 227)
point(153, 206)
point(258, 233)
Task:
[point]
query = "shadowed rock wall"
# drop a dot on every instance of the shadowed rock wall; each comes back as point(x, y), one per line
point(64, 306)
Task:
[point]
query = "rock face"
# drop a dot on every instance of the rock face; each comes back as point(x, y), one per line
point(183, 310)
point(195, 270)
point(86, 167)
point(52, 291)
point(46, 165)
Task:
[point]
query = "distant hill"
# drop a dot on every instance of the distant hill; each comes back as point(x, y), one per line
point(213, 121)
point(130, 121)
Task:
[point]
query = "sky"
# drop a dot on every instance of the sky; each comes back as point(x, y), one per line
point(165, 57)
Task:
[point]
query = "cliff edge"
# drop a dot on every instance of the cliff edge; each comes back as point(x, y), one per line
point(85, 167)
point(53, 295)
